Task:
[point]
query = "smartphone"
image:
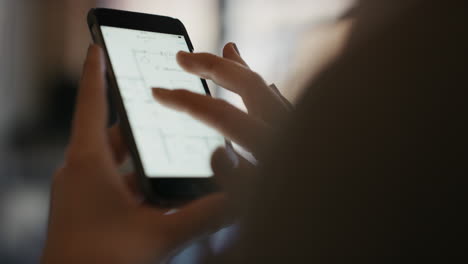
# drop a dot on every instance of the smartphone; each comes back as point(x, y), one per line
point(171, 151)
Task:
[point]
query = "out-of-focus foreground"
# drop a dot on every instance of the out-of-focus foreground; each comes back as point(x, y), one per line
point(42, 46)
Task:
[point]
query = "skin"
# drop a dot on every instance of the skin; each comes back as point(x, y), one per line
point(96, 214)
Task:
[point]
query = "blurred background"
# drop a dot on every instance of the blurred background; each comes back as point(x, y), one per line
point(42, 47)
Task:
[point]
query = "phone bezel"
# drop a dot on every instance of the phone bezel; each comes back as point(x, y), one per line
point(161, 190)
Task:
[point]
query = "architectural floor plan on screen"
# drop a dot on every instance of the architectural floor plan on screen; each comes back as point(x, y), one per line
point(171, 144)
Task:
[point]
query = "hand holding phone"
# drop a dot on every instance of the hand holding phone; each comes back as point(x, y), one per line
point(171, 151)
point(94, 217)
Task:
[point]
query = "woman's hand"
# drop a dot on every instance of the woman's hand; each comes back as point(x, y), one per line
point(266, 106)
point(232, 72)
point(95, 217)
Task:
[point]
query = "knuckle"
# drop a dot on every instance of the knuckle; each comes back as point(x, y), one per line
point(256, 77)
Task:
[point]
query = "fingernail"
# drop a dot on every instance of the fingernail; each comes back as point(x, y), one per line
point(236, 48)
point(182, 53)
point(182, 57)
point(160, 91)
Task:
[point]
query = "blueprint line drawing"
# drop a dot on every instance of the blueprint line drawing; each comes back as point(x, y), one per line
point(170, 143)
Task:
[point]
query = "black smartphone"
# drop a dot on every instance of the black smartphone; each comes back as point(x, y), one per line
point(171, 151)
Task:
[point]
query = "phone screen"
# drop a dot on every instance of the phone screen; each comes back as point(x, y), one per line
point(170, 144)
